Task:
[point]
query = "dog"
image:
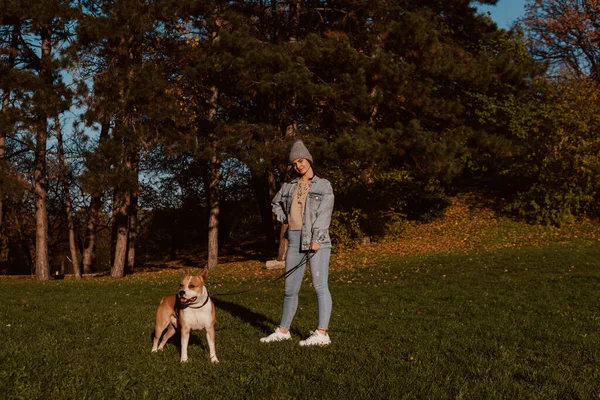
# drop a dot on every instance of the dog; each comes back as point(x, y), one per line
point(190, 309)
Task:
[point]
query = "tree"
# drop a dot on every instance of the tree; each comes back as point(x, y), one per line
point(559, 165)
point(203, 74)
point(565, 34)
point(560, 169)
point(38, 95)
point(398, 101)
point(12, 26)
point(94, 181)
point(118, 41)
point(66, 187)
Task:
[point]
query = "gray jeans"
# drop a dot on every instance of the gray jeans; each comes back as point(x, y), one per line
point(319, 268)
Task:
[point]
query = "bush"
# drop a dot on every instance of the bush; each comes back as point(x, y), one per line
point(562, 157)
point(345, 228)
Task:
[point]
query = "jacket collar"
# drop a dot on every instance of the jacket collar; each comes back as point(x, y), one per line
point(314, 179)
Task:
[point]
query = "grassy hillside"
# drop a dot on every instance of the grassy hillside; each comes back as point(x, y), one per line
point(466, 307)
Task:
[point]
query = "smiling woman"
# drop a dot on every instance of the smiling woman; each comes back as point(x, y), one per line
point(306, 205)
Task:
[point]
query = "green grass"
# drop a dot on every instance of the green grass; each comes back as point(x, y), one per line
point(511, 323)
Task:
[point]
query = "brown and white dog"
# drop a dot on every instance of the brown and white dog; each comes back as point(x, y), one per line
point(190, 309)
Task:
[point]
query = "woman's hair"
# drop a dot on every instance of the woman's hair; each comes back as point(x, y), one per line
point(291, 171)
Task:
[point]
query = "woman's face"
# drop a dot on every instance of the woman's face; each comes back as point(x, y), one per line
point(301, 165)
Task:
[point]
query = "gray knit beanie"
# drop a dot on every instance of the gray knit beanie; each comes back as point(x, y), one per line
point(299, 150)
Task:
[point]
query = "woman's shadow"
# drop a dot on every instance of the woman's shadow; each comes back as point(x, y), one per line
point(258, 321)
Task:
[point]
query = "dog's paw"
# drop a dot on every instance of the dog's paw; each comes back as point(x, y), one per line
point(214, 360)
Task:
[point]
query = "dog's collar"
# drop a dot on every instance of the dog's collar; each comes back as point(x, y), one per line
point(200, 306)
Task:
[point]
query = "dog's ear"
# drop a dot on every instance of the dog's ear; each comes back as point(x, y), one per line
point(185, 272)
point(203, 273)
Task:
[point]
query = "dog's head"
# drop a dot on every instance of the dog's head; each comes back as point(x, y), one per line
point(191, 286)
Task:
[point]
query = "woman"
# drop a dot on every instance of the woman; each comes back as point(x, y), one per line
point(305, 204)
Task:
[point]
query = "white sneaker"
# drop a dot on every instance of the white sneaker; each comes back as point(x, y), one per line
point(316, 338)
point(276, 336)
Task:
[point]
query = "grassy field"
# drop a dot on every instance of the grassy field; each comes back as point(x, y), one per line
point(502, 323)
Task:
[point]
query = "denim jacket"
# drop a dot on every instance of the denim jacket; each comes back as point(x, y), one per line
point(317, 211)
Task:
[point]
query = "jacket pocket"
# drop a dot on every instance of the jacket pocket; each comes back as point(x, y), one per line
point(314, 200)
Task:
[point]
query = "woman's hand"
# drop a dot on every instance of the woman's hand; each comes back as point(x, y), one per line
point(314, 246)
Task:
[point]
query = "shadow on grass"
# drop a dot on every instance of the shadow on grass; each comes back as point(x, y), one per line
point(195, 340)
point(259, 321)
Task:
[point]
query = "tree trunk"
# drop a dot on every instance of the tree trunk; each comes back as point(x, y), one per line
point(280, 229)
point(213, 184)
point(125, 130)
point(283, 243)
point(133, 214)
point(375, 109)
point(42, 266)
point(132, 233)
point(3, 237)
point(120, 220)
point(262, 193)
point(64, 177)
point(5, 100)
point(63, 265)
point(214, 209)
point(294, 20)
point(89, 242)
point(120, 228)
point(3, 133)
point(23, 246)
point(272, 192)
point(113, 228)
point(290, 132)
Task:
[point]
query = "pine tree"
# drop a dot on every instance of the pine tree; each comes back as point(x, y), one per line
point(64, 178)
point(199, 86)
point(118, 39)
point(94, 181)
point(40, 95)
point(11, 26)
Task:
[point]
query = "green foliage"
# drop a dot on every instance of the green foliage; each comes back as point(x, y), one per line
point(560, 171)
point(394, 225)
point(378, 202)
point(346, 229)
point(549, 203)
point(505, 109)
point(400, 102)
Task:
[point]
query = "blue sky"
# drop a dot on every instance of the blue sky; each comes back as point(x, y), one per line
point(505, 12)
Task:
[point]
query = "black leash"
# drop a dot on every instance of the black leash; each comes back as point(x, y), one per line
point(305, 259)
point(303, 262)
